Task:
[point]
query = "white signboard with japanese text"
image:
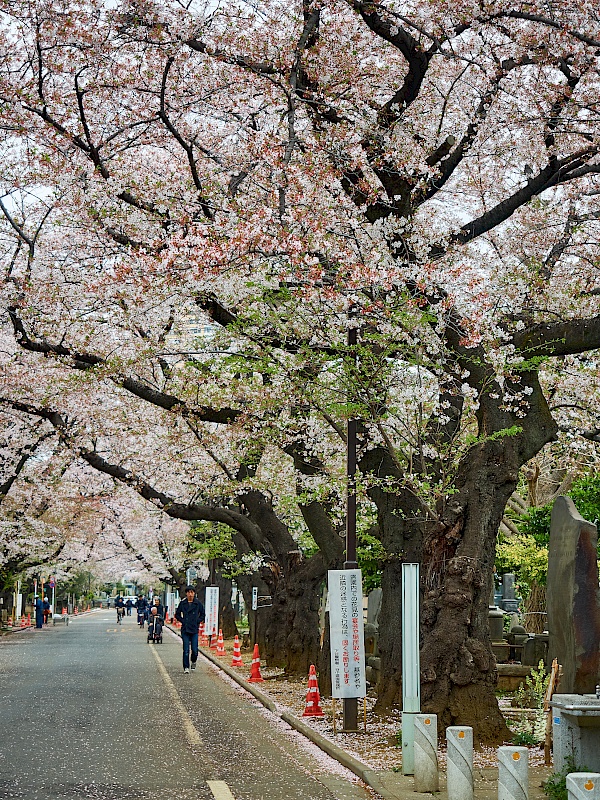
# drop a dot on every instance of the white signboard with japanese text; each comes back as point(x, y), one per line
point(346, 631)
point(211, 611)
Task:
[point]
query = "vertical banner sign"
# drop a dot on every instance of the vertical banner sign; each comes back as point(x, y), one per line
point(346, 631)
point(254, 598)
point(211, 610)
point(52, 585)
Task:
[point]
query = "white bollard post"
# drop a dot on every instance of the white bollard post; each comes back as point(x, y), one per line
point(426, 763)
point(513, 773)
point(459, 769)
point(583, 786)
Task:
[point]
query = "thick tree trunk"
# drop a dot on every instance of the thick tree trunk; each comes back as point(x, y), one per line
point(536, 618)
point(304, 587)
point(455, 544)
point(288, 629)
point(458, 668)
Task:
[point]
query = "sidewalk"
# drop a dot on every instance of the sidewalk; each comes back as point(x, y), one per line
point(54, 620)
point(389, 784)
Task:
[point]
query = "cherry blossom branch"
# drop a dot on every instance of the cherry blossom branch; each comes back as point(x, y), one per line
point(187, 147)
point(87, 361)
point(26, 454)
point(551, 23)
point(557, 172)
point(162, 501)
point(558, 339)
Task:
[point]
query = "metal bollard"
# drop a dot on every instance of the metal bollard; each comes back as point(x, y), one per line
point(426, 764)
point(513, 773)
point(460, 763)
point(583, 786)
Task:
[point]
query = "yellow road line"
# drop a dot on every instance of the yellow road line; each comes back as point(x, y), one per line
point(192, 734)
point(220, 790)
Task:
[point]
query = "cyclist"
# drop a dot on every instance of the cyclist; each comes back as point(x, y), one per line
point(120, 606)
point(142, 610)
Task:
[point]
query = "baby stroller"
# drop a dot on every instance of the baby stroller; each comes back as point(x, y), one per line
point(155, 626)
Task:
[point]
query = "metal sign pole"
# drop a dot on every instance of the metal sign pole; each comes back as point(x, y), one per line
point(411, 666)
point(350, 722)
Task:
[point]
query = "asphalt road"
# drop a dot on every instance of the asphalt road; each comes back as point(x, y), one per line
point(91, 710)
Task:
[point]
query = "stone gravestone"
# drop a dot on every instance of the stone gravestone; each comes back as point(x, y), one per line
point(573, 598)
point(374, 606)
point(509, 601)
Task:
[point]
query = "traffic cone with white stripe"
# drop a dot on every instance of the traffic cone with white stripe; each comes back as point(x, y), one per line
point(213, 639)
point(29, 620)
point(220, 645)
point(10, 622)
point(236, 661)
point(255, 676)
point(313, 698)
point(23, 622)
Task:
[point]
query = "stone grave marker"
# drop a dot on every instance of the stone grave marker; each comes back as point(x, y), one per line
point(573, 598)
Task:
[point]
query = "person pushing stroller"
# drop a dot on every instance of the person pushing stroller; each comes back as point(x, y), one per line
point(155, 626)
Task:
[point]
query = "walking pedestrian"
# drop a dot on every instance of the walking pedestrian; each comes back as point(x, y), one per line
point(46, 610)
point(39, 612)
point(190, 612)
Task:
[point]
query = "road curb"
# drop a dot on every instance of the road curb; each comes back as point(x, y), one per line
point(371, 777)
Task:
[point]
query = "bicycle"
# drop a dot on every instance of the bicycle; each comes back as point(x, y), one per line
point(120, 615)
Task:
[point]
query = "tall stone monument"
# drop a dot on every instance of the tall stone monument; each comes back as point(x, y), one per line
point(573, 598)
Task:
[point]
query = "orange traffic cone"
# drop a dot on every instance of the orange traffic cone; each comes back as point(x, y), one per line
point(10, 622)
point(64, 611)
point(213, 640)
point(23, 623)
point(255, 676)
point(29, 620)
point(313, 698)
point(220, 645)
point(236, 661)
point(76, 611)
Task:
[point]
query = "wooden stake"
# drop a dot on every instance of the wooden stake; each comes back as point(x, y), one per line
point(555, 674)
point(333, 707)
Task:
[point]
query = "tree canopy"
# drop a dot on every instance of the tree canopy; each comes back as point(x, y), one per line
point(426, 173)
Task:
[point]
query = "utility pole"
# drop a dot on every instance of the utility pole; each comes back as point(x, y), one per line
point(351, 703)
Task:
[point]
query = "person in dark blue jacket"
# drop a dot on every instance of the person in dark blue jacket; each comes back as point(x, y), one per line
point(142, 610)
point(39, 612)
point(190, 612)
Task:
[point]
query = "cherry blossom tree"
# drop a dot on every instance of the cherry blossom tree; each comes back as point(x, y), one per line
point(433, 169)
